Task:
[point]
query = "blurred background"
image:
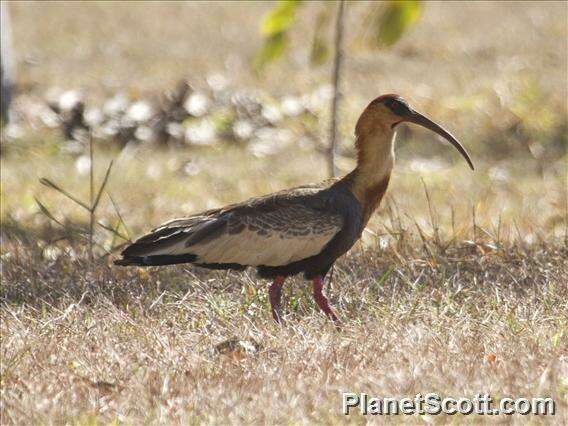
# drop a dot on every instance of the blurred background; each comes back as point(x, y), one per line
point(457, 284)
point(197, 108)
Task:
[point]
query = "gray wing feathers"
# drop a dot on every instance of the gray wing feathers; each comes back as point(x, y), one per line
point(252, 237)
point(162, 239)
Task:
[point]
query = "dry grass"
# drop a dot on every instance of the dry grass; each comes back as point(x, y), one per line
point(461, 295)
point(142, 346)
point(423, 313)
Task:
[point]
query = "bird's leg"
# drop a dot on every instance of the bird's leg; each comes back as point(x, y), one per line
point(275, 294)
point(322, 301)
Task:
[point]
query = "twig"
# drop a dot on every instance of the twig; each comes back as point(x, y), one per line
point(102, 187)
point(115, 206)
point(91, 198)
point(50, 216)
point(114, 231)
point(6, 65)
point(433, 218)
point(566, 221)
point(337, 67)
point(499, 229)
point(50, 184)
point(474, 224)
point(46, 212)
point(423, 238)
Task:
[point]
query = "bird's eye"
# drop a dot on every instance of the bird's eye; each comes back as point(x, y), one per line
point(397, 106)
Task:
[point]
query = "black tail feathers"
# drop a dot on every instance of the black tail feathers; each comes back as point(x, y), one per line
point(157, 260)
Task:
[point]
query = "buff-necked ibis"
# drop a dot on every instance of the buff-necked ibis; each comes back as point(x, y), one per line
point(303, 229)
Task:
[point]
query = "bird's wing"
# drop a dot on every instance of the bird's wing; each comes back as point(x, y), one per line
point(273, 230)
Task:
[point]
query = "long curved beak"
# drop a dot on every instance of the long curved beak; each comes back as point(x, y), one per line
point(417, 118)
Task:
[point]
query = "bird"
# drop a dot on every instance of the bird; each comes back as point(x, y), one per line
point(299, 230)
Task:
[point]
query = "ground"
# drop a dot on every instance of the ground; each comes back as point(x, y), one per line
point(458, 285)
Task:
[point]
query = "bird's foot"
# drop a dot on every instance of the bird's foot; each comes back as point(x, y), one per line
point(275, 294)
point(322, 301)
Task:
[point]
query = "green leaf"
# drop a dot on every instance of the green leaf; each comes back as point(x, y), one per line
point(320, 50)
point(279, 19)
point(396, 19)
point(272, 49)
point(274, 27)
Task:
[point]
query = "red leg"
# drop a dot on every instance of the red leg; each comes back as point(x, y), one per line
point(274, 294)
point(322, 301)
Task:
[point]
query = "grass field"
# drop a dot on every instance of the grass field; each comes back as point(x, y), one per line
point(457, 287)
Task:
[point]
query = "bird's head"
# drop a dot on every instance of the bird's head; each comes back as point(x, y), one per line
point(388, 111)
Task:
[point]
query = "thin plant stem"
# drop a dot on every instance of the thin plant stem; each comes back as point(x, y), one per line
point(91, 198)
point(337, 68)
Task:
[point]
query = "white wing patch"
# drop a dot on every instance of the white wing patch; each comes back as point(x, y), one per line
point(273, 238)
point(250, 248)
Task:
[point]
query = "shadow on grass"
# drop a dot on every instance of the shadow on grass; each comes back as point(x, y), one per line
point(56, 275)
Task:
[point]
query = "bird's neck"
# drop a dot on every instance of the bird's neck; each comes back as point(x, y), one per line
point(375, 160)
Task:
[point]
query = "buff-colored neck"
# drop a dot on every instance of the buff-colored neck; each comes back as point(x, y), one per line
point(375, 160)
